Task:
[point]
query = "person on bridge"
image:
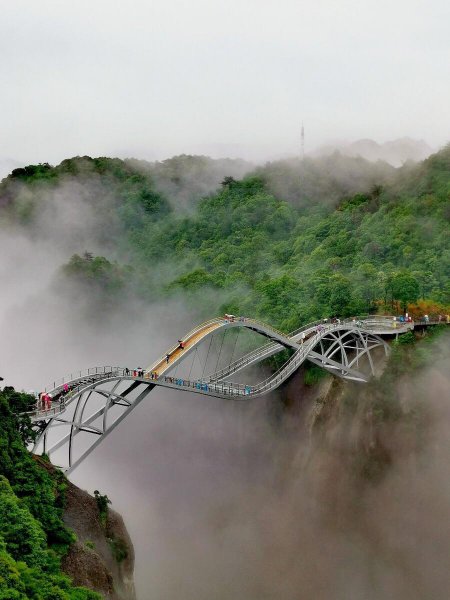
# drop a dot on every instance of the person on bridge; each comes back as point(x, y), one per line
point(167, 358)
point(181, 344)
point(65, 388)
point(127, 371)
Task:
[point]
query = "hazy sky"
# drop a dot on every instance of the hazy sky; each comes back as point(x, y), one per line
point(158, 77)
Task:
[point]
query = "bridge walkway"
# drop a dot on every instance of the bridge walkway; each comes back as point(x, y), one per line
point(191, 340)
point(302, 341)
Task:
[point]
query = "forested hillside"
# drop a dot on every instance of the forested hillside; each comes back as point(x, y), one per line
point(33, 537)
point(290, 242)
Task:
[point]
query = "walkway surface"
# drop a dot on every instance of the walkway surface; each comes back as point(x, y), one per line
point(302, 341)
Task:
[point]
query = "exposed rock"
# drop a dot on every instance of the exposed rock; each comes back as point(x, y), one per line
point(103, 557)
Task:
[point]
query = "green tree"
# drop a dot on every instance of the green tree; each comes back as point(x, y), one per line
point(405, 289)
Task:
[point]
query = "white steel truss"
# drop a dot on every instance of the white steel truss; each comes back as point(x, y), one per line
point(94, 403)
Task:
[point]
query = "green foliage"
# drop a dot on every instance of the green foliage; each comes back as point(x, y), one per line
point(119, 548)
point(32, 533)
point(102, 505)
point(108, 183)
point(96, 271)
point(22, 534)
point(290, 264)
point(405, 288)
point(406, 338)
point(313, 374)
point(291, 242)
point(193, 280)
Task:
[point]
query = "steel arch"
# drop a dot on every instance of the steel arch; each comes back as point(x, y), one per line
point(337, 347)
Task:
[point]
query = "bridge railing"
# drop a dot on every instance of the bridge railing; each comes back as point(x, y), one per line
point(261, 351)
point(280, 375)
point(46, 413)
point(249, 358)
point(75, 382)
point(266, 327)
point(76, 375)
point(268, 348)
point(222, 387)
point(290, 366)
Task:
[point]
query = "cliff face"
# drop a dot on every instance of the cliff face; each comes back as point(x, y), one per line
point(102, 559)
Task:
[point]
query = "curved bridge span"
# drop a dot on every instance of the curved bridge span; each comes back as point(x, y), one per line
point(88, 405)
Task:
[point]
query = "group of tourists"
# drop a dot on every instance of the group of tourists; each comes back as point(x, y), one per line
point(406, 318)
point(139, 372)
point(199, 385)
point(232, 318)
point(440, 318)
point(44, 401)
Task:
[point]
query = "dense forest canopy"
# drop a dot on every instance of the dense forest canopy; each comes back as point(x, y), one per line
point(289, 242)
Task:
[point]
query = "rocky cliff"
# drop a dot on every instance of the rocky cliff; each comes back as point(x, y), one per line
point(102, 558)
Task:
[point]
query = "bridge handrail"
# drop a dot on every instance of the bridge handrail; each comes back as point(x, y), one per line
point(251, 356)
point(289, 366)
point(238, 389)
point(77, 379)
point(285, 370)
point(61, 398)
point(360, 321)
point(59, 383)
point(262, 349)
point(246, 359)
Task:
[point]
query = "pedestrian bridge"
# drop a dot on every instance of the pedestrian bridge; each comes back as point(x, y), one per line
point(88, 405)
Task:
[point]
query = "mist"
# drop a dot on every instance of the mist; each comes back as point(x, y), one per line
point(222, 501)
point(226, 499)
point(50, 327)
point(155, 80)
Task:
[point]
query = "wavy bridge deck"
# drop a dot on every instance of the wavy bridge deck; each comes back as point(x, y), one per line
point(338, 347)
